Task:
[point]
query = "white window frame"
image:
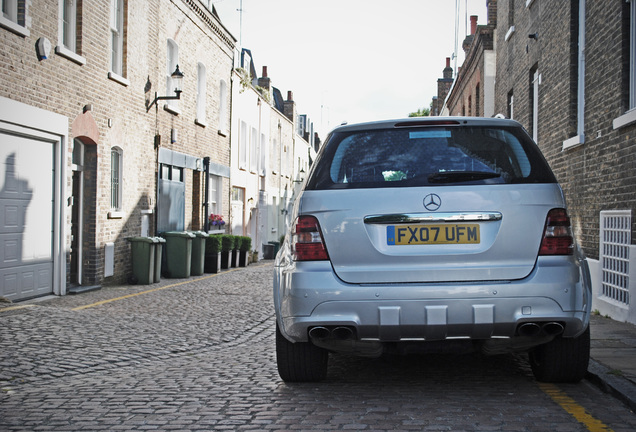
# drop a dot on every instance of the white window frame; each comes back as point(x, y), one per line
point(215, 194)
point(68, 24)
point(67, 32)
point(201, 93)
point(222, 107)
point(172, 60)
point(579, 138)
point(262, 169)
point(629, 117)
point(243, 137)
point(117, 37)
point(536, 81)
point(254, 151)
point(11, 19)
point(116, 178)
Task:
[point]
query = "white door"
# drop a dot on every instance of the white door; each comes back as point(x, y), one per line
point(27, 176)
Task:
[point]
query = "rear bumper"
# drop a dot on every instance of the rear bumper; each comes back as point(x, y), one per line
point(308, 294)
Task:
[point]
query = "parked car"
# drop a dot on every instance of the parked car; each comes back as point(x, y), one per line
point(427, 233)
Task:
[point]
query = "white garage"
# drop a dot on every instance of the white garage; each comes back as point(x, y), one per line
point(31, 185)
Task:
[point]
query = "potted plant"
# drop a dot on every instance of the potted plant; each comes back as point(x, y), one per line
point(236, 251)
point(227, 246)
point(213, 254)
point(216, 222)
point(246, 247)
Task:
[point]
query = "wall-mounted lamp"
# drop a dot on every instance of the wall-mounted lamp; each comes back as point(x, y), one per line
point(177, 78)
point(534, 36)
point(302, 171)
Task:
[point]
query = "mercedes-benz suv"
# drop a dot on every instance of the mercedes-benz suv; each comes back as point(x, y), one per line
point(415, 234)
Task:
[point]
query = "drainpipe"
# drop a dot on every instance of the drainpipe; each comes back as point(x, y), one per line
point(206, 202)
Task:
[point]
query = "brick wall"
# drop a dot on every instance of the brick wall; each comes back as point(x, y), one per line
point(600, 173)
point(63, 86)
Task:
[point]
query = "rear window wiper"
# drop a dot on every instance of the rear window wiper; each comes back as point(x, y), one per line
point(459, 176)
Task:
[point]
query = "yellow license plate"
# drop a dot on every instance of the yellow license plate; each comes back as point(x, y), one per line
point(432, 234)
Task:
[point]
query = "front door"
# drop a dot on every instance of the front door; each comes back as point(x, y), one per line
point(77, 200)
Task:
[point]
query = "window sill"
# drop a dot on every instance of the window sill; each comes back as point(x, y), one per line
point(222, 133)
point(14, 27)
point(200, 123)
point(67, 53)
point(573, 142)
point(115, 214)
point(509, 34)
point(118, 78)
point(626, 119)
point(172, 109)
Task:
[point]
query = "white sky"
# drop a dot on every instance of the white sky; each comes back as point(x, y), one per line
point(352, 60)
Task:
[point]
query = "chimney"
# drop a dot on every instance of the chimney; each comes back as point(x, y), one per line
point(448, 70)
point(473, 24)
point(265, 82)
point(289, 107)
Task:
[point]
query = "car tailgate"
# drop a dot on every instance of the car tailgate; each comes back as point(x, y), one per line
point(483, 233)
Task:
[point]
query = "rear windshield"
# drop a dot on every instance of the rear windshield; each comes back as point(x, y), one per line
point(434, 156)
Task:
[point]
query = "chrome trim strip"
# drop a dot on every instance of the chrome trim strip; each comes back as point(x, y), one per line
point(432, 217)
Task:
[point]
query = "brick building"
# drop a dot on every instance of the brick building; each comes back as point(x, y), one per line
point(473, 90)
point(566, 71)
point(85, 164)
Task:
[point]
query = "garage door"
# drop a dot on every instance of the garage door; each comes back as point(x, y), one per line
point(26, 216)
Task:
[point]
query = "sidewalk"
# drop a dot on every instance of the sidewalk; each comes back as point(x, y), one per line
point(613, 358)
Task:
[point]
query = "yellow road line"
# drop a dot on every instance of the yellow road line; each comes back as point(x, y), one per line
point(10, 308)
point(573, 408)
point(99, 303)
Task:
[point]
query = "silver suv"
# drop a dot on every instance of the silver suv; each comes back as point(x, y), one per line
point(426, 232)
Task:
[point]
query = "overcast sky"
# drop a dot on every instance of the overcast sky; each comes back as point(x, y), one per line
point(352, 60)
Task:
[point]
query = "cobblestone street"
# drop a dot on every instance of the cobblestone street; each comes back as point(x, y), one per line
point(198, 355)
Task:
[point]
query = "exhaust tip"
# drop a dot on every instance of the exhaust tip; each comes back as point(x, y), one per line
point(553, 328)
point(342, 333)
point(529, 329)
point(319, 333)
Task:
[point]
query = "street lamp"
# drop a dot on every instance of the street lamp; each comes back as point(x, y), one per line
point(177, 78)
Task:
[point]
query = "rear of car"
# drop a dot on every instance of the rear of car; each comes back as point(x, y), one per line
point(420, 233)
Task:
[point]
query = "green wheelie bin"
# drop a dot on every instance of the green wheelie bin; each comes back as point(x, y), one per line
point(178, 254)
point(143, 259)
point(198, 253)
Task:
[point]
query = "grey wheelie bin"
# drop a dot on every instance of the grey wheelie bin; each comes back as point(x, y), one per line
point(143, 259)
point(198, 253)
point(178, 254)
point(159, 245)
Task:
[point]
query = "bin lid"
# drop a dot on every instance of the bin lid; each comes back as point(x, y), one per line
point(141, 239)
point(178, 234)
point(159, 239)
point(200, 233)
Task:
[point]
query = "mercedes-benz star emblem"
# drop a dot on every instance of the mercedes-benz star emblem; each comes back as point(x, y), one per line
point(432, 202)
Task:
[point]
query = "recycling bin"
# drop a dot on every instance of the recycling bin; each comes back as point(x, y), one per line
point(143, 259)
point(197, 266)
point(159, 243)
point(178, 262)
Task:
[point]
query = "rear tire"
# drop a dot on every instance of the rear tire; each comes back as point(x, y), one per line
point(300, 361)
point(562, 359)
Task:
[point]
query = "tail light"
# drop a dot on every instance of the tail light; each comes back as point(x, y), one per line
point(307, 242)
point(557, 236)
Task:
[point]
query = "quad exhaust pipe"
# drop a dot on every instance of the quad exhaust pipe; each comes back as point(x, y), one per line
point(535, 329)
point(338, 333)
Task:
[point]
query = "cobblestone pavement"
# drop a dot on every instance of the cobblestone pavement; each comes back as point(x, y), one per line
point(198, 355)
